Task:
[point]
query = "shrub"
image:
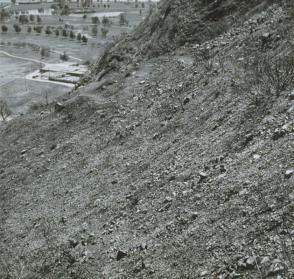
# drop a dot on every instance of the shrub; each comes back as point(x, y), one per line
point(94, 30)
point(79, 36)
point(95, 20)
point(45, 52)
point(4, 14)
point(16, 28)
point(39, 19)
point(84, 39)
point(4, 28)
point(64, 56)
point(123, 19)
point(72, 35)
point(48, 30)
point(270, 74)
point(64, 33)
point(29, 29)
point(38, 29)
point(23, 19)
point(65, 10)
point(106, 21)
point(104, 32)
point(4, 109)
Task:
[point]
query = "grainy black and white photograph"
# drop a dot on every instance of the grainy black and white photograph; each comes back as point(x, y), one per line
point(146, 139)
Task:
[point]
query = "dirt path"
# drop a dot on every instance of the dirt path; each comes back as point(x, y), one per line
point(22, 58)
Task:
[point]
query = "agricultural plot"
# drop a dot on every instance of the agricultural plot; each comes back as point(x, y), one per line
point(41, 35)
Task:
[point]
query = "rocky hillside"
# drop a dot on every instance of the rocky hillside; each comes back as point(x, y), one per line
point(174, 158)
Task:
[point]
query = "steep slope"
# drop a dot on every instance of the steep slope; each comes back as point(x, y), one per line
point(176, 166)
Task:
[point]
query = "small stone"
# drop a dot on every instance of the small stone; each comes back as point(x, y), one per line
point(194, 215)
point(53, 146)
point(289, 173)
point(143, 246)
point(291, 96)
point(58, 107)
point(197, 196)
point(278, 133)
point(202, 175)
point(73, 243)
point(243, 192)
point(172, 177)
point(120, 255)
point(256, 157)
point(186, 100)
point(168, 199)
point(264, 260)
point(265, 35)
point(203, 273)
point(250, 262)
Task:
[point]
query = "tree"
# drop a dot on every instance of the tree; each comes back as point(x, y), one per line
point(94, 30)
point(48, 30)
point(23, 19)
point(72, 35)
point(45, 52)
point(95, 20)
point(64, 33)
point(39, 19)
point(64, 56)
point(84, 16)
point(16, 28)
point(84, 39)
point(79, 37)
point(4, 28)
point(104, 32)
point(38, 29)
point(65, 10)
point(3, 15)
point(57, 32)
point(29, 29)
point(4, 110)
point(32, 18)
point(106, 21)
point(123, 19)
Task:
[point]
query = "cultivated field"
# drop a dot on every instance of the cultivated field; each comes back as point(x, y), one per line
point(45, 35)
